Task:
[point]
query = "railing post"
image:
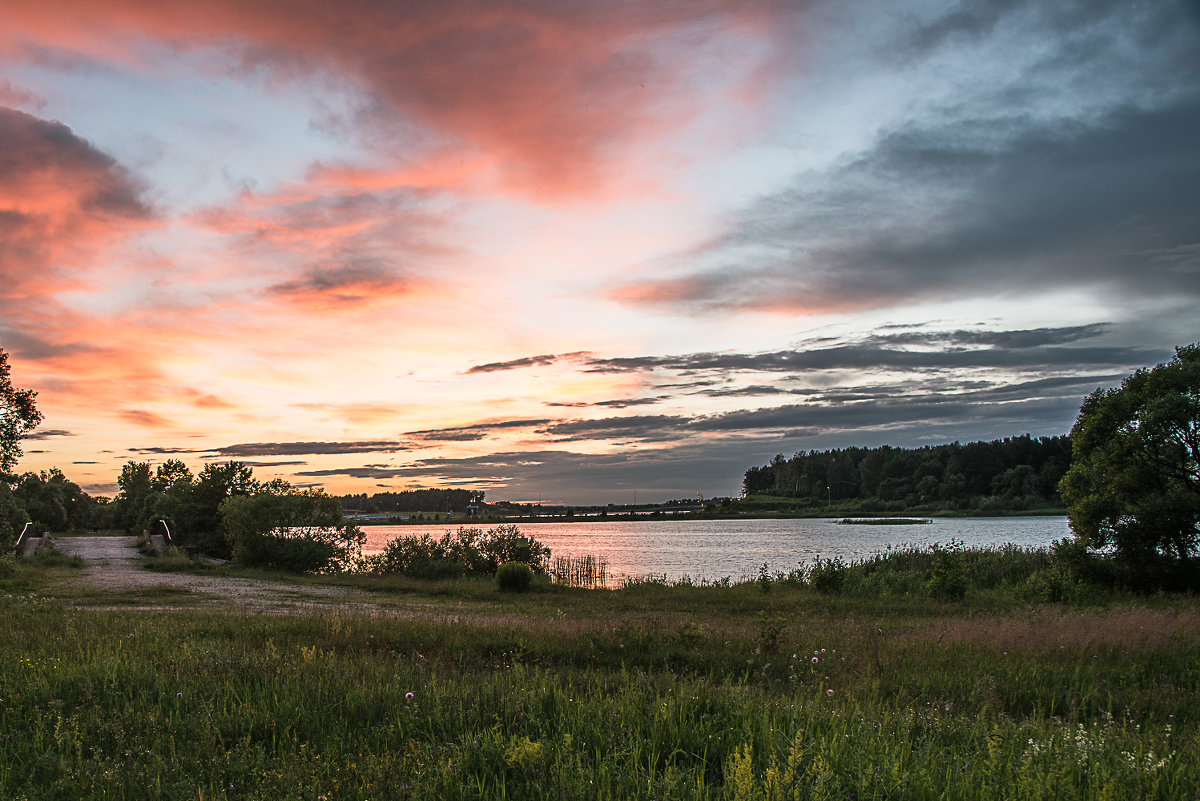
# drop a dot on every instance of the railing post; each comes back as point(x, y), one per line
point(26, 532)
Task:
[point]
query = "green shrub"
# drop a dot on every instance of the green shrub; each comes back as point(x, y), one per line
point(514, 576)
point(828, 577)
point(301, 532)
point(948, 572)
point(466, 552)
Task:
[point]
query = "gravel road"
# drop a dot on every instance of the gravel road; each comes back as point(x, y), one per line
point(114, 565)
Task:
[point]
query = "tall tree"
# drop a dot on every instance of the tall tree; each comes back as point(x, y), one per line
point(169, 473)
point(136, 484)
point(18, 416)
point(1134, 480)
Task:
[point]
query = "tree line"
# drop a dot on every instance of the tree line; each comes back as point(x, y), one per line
point(418, 500)
point(1014, 473)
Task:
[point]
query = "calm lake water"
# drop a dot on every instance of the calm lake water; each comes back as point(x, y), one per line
point(710, 549)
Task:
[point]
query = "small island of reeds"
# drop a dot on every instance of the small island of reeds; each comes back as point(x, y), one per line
point(884, 521)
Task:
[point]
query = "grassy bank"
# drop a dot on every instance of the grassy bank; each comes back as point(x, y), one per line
point(454, 690)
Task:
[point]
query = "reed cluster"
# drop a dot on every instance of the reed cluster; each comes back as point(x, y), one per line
point(586, 570)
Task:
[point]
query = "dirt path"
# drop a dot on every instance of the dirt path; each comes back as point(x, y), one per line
point(115, 566)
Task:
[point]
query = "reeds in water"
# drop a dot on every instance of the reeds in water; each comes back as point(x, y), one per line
point(586, 570)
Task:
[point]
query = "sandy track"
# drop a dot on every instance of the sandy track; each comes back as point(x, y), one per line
point(114, 565)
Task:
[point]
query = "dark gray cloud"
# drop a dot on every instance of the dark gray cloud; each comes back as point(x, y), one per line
point(959, 338)
point(754, 390)
point(875, 356)
point(640, 427)
point(1112, 207)
point(305, 448)
point(908, 384)
point(48, 433)
point(515, 364)
point(967, 413)
point(619, 403)
point(248, 449)
point(473, 432)
point(1077, 171)
point(1032, 349)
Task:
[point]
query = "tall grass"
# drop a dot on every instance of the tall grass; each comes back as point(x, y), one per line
point(586, 570)
point(733, 691)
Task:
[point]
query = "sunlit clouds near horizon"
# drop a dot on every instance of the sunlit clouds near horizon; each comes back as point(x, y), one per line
point(571, 251)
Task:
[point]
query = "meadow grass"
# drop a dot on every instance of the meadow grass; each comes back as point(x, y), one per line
point(452, 689)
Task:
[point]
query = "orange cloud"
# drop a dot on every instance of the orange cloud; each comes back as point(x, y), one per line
point(144, 418)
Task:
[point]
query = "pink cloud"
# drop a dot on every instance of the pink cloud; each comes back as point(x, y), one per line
point(343, 287)
point(61, 202)
point(327, 249)
point(17, 97)
point(142, 417)
point(546, 93)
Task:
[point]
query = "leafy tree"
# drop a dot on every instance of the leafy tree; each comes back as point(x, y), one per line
point(135, 485)
point(12, 517)
point(303, 532)
point(170, 473)
point(18, 416)
point(1134, 482)
point(195, 507)
point(45, 500)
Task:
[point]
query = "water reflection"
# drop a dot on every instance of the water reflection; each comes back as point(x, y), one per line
point(709, 549)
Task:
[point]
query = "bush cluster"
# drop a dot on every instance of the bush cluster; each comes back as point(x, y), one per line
point(300, 532)
point(514, 576)
point(466, 552)
point(828, 577)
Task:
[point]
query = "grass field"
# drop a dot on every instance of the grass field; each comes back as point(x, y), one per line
point(760, 690)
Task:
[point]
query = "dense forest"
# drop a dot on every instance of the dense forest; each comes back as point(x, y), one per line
point(422, 500)
point(1014, 473)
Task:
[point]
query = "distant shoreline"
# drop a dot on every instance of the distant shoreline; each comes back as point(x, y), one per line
point(494, 520)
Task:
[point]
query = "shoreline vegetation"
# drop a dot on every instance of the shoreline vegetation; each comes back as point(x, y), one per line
point(747, 509)
point(937, 672)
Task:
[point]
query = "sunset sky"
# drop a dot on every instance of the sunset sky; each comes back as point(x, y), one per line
point(571, 250)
